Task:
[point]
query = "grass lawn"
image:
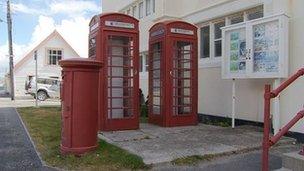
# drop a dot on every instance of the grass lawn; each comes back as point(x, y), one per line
point(44, 125)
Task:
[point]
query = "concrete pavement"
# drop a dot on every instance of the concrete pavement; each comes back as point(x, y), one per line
point(27, 102)
point(157, 144)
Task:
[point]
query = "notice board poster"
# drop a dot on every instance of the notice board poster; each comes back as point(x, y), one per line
point(238, 51)
point(266, 47)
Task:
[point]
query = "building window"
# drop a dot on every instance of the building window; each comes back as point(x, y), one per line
point(218, 38)
point(134, 11)
point(255, 13)
point(146, 63)
point(141, 63)
point(211, 33)
point(148, 7)
point(54, 56)
point(141, 10)
point(237, 19)
point(205, 42)
point(153, 6)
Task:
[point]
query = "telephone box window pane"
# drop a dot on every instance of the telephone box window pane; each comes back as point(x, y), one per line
point(205, 42)
point(156, 91)
point(116, 61)
point(156, 82)
point(120, 76)
point(182, 74)
point(156, 74)
point(156, 64)
point(156, 110)
point(156, 78)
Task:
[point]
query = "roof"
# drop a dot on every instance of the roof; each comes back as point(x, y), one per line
point(171, 22)
point(102, 15)
point(29, 55)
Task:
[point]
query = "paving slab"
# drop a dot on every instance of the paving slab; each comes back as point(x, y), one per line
point(16, 149)
point(157, 144)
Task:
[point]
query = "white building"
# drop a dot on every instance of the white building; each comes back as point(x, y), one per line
point(215, 93)
point(52, 49)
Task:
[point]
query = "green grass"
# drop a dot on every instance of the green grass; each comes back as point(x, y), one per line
point(143, 114)
point(225, 122)
point(44, 125)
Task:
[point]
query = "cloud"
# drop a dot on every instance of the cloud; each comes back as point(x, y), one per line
point(41, 31)
point(75, 31)
point(18, 7)
point(78, 26)
point(19, 50)
point(73, 7)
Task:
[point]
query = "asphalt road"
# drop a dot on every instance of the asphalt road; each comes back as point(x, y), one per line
point(16, 149)
point(242, 162)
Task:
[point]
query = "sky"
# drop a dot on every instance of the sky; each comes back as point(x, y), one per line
point(34, 20)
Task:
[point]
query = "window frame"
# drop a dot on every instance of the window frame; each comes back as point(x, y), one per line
point(212, 60)
point(153, 6)
point(48, 55)
point(134, 11)
point(148, 7)
point(144, 67)
point(141, 63)
point(141, 9)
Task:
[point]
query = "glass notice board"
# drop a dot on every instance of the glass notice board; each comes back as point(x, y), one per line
point(256, 49)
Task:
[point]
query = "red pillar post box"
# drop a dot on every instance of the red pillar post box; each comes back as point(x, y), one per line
point(79, 105)
point(114, 41)
point(173, 74)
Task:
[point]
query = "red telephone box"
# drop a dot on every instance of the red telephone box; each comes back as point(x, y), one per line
point(114, 41)
point(173, 74)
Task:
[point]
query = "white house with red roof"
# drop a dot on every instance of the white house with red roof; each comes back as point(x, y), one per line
point(52, 49)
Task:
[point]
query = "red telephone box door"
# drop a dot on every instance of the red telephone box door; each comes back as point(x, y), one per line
point(156, 86)
point(182, 79)
point(122, 82)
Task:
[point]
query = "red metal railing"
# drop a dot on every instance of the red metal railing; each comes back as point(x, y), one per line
point(270, 141)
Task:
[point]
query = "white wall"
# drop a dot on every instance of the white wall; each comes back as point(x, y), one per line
point(114, 5)
point(292, 100)
point(214, 92)
point(44, 70)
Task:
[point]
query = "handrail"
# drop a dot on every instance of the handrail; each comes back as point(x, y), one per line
point(268, 95)
point(285, 84)
point(285, 129)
